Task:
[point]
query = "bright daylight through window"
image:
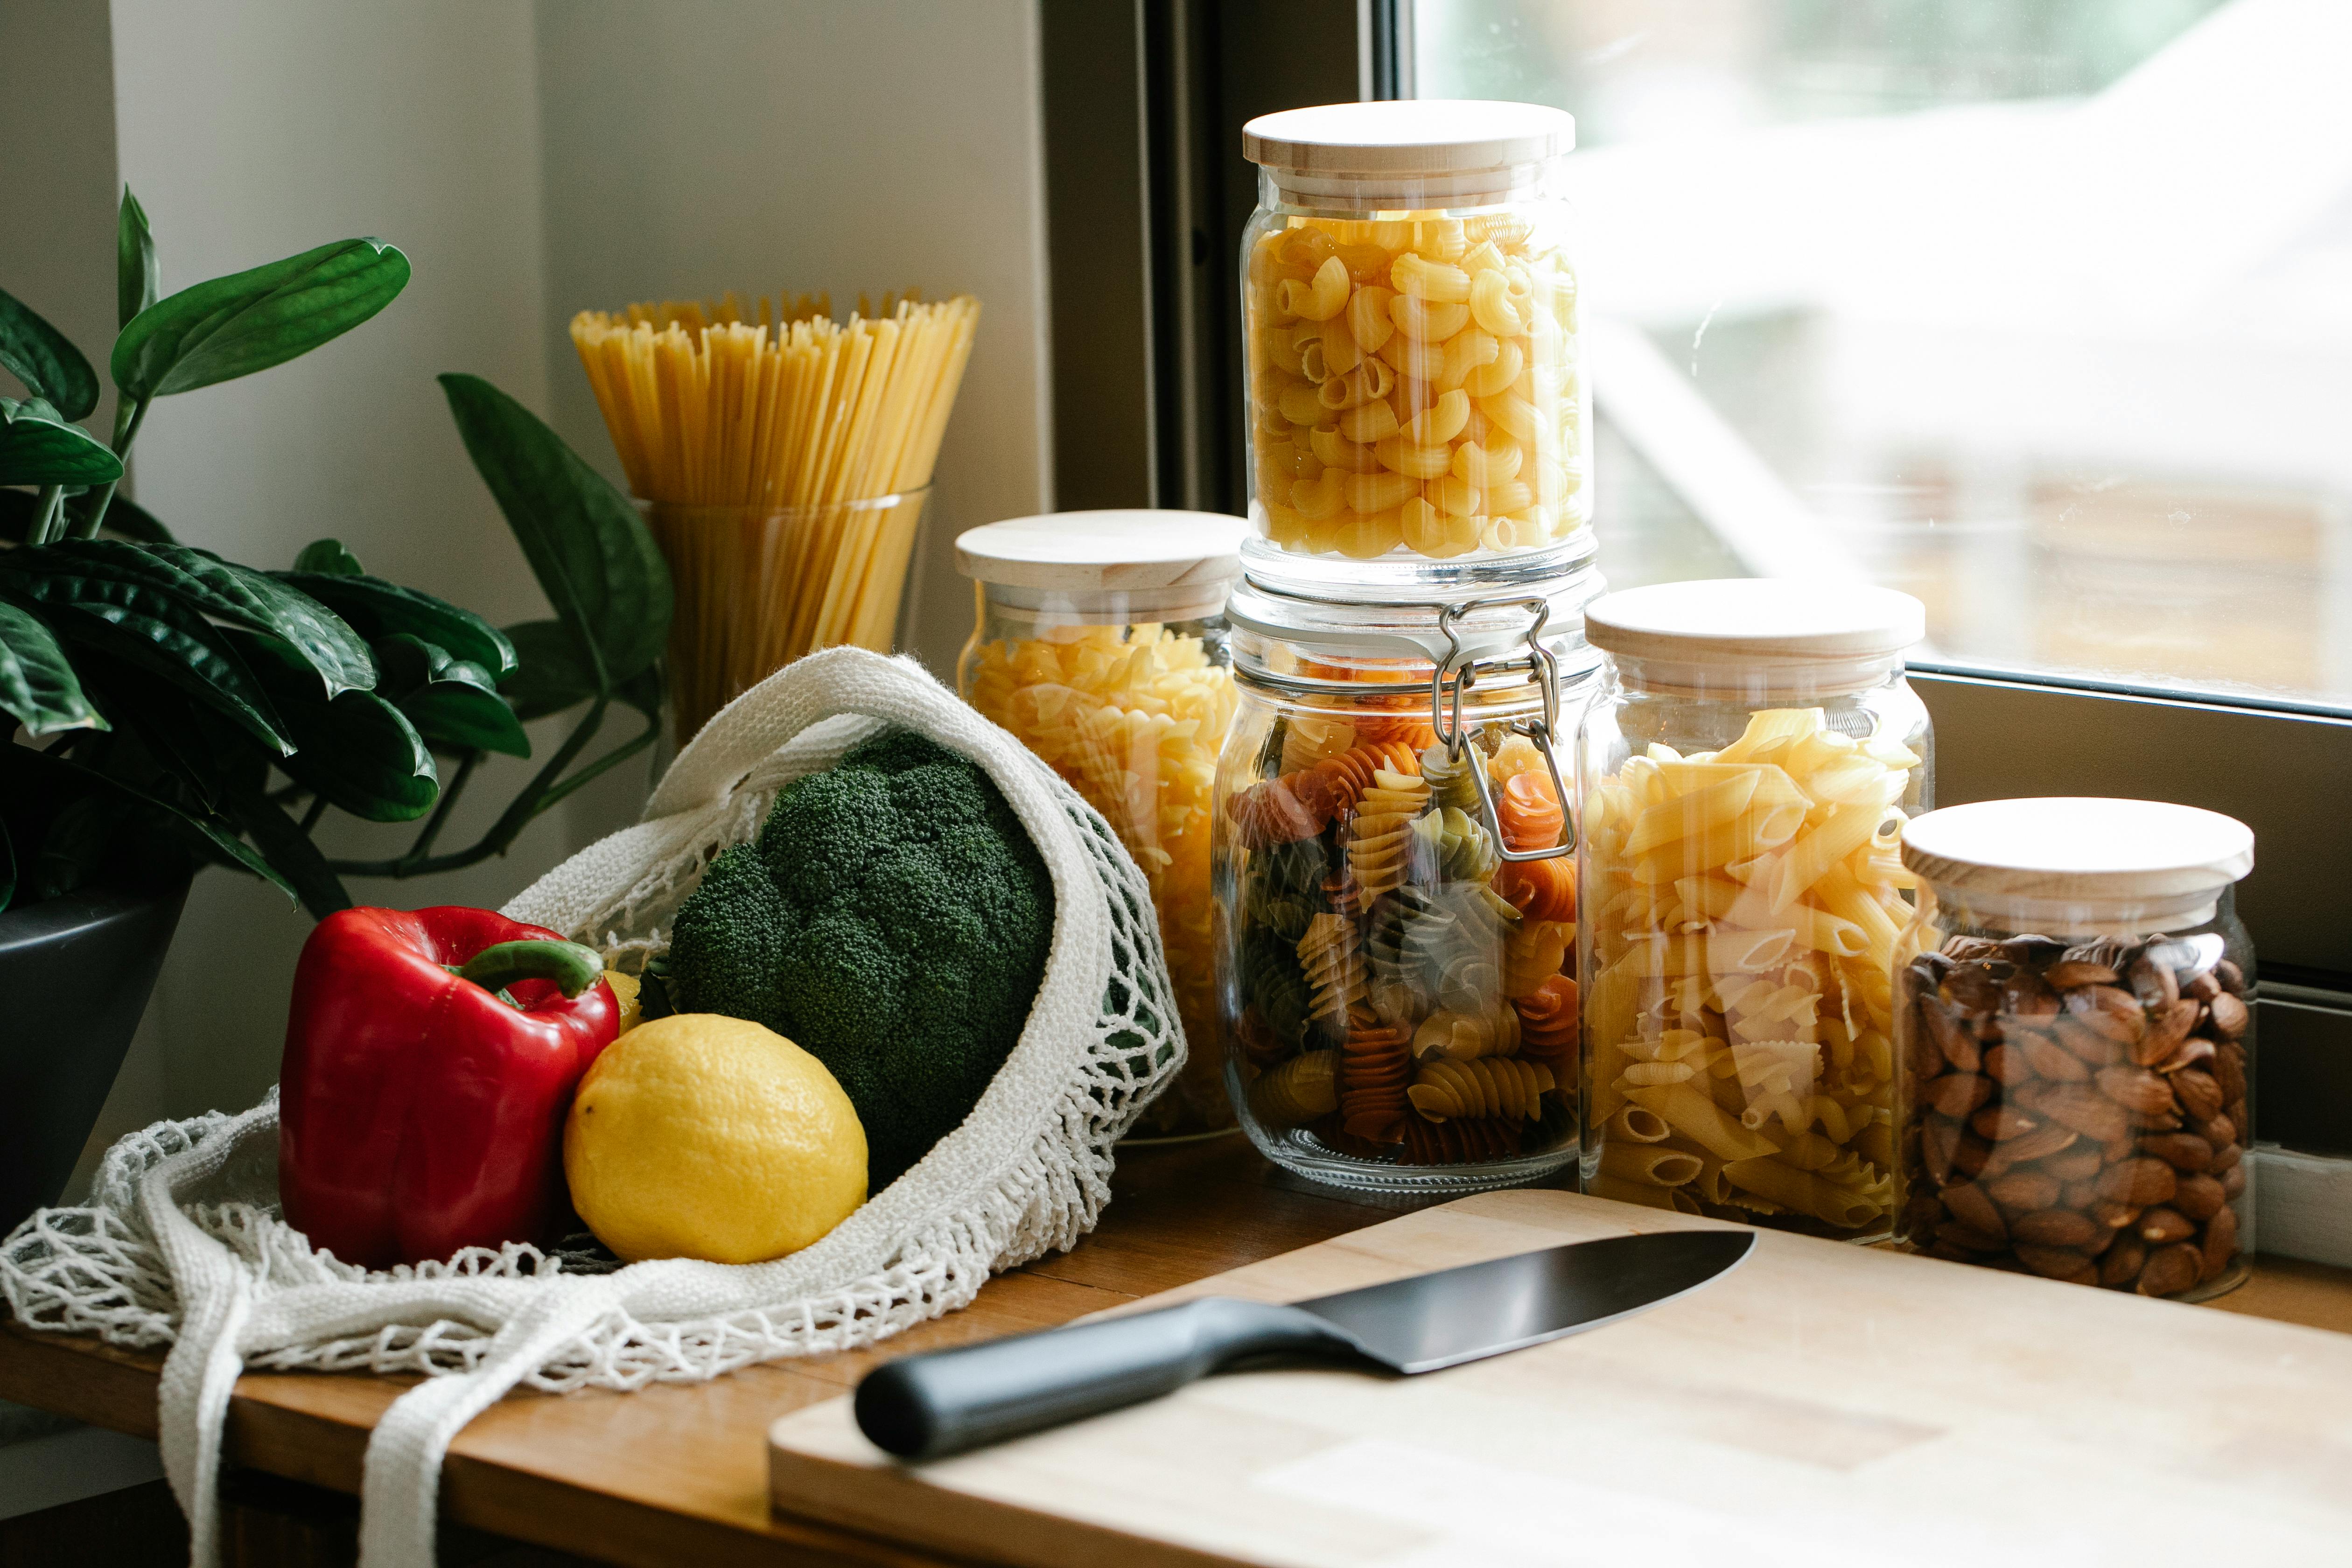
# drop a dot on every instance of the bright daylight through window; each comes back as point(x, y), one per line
point(2034, 308)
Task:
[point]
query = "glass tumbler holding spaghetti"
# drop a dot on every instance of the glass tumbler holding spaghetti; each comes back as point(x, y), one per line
point(1746, 773)
point(2074, 1033)
point(1416, 386)
point(783, 468)
point(1396, 883)
point(1101, 645)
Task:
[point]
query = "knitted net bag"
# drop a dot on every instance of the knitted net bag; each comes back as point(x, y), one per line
point(182, 1244)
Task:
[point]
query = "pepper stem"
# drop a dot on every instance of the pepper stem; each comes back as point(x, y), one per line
point(571, 966)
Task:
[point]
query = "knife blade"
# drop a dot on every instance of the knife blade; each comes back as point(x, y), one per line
point(947, 1402)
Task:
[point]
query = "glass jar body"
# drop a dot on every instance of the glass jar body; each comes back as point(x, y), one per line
point(1132, 711)
point(1744, 910)
point(1416, 384)
point(2077, 1090)
point(1398, 1001)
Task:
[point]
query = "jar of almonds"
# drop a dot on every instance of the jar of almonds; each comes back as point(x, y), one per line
point(2076, 1044)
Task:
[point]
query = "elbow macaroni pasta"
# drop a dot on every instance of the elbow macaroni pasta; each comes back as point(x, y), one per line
point(1744, 924)
point(1434, 355)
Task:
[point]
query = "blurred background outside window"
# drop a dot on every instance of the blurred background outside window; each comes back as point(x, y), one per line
point(2040, 309)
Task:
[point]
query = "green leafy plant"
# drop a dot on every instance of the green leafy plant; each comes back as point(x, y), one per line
point(172, 708)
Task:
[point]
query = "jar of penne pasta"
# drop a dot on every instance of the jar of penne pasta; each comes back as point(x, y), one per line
point(1747, 770)
point(2073, 1028)
point(1395, 881)
point(1416, 391)
point(1100, 644)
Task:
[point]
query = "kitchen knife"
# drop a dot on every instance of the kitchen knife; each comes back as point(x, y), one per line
point(926, 1406)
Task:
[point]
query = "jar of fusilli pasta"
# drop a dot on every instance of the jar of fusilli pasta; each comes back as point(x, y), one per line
point(1747, 770)
point(2074, 1034)
point(1100, 644)
point(1395, 881)
point(1417, 398)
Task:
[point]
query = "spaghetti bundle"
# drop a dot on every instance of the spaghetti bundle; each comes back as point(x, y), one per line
point(784, 464)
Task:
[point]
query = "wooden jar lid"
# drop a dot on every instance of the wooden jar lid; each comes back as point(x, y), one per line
point(1108, 551)
point(1408, 136)
point(2064, 848)
point(1763, 620)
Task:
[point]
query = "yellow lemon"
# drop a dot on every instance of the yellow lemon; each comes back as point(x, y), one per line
point(702, 1136)
point(624, 997)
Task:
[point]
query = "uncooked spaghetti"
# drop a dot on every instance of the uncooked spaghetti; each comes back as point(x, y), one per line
point(784, 464)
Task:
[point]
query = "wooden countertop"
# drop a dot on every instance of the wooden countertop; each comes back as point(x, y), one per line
point(678, 1474)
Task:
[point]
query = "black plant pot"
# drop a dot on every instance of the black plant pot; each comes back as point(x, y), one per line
point(75, 974)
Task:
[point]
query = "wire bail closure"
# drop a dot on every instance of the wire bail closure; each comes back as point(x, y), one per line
point(1461, 670)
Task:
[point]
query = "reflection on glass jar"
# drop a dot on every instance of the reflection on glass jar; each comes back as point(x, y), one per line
point(1409, 312)
point(1099, 645)
point(2076, 1034)
point(1745, 771)
point(1398, 893)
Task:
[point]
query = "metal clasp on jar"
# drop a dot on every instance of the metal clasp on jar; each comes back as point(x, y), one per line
point(1462, 671)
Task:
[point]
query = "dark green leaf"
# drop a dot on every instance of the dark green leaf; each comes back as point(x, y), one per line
point(552, 675)
point(136, 279)
point(38, 354)
point(452, 702)
point(291, 855)
point(151, 630)
point(593, 554)
point(377, 609)
point(204, 753)
point(76, 848)
point(220, 838)
point(329, 558)
point(234, 326)
point(644, 693)
point(18, 508)
point(37, 447)
point(129, 518)
point(37, 685)
point(214, 587)
point(358, 749)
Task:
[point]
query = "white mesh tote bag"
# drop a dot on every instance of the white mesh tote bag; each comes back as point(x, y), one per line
point(182, 1244)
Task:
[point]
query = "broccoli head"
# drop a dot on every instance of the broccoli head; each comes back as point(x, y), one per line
point(893, 920)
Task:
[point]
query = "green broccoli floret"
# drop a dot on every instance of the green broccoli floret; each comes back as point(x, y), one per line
point(893, 920)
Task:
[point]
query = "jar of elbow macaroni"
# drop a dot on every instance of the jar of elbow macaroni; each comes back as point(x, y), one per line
point(1395, 879)
point(1417, 398)
point(1747, 770)
point(1100, 645)
point(2074, 1034)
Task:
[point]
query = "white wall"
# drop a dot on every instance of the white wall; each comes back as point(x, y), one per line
point(530, 160)
point(699, 145)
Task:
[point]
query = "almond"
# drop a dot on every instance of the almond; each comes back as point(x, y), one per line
point(2141, 1181)
point(2043, 1141)
point(2055, 1227)
point(2085, 1042)
point(2123, 1262)
point(2107, 1012)
point(2229, 1070)
point(2163, 1226)
point(2200, 1096)
point(1975, 988)
point(2153, 984)
point(1956, 1094)
point(2200, 1197)
point(2050, 1059)
point(2007, 1065)
point(1970, 1159)
point(2202, 986)
point(1939, 1137)
point(2224, 1157)
point(2086, 1112)
point(2115, 1216)
point(1999, 1122)
point(2068, 974)
point(2075, 1164)
point(1957, 1045)
point(1971, 1206)
point(1966, 1237)
point(2139, 1089)
point(2024, 1190)
point(2163, 1037)
point(2220, 1242)
point(2233, 1181)
point(2230, 1015)
point(2056, 1263)
point(2181, 1151)
point(2171, 1270)
point(2217, 1131)
point(2232, 978)
point(2194, 1051)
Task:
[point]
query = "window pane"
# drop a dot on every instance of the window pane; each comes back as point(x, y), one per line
point(2037, 309)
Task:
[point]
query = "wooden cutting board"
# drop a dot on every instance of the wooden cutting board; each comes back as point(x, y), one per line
point(1822, 1404)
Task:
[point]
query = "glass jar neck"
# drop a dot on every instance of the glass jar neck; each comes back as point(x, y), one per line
point(1766, 681)
point(2080, 916)
point(1100, 606)
point(1397, 195)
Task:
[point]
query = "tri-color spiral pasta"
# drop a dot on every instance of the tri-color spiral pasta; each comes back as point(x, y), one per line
point(1549, 1025)
point(1375, 1063)
point(1295, 1093)
point(1336, 971)
point(1462, 1141)
point(1528, 812)
point(1444, 1088)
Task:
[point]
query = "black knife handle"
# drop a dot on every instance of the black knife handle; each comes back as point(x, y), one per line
point(926, 1406)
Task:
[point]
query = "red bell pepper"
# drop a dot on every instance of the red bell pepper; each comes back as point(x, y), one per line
point(420, 1111)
